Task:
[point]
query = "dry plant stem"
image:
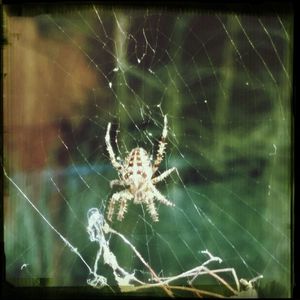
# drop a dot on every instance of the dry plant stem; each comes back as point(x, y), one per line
point(213, 274)
point(192, 272)
point(213, 258)
point(107, 229)
point(234, 276)
point(195, 272)
point(202, 270)
point(198, 292)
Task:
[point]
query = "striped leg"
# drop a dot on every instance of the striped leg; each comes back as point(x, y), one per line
point(122, 196)
point(163, 175)
point(152, 210)
point(110, 150)
point(161, 198)
point(161, 146)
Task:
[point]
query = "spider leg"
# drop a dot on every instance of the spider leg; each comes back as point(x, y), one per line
point(163, 175)
point(122, 196)
point(160, 197)
point(110, 150)
point(111, 207)
point(152, 210)
point(161, 146)
point(122, 210)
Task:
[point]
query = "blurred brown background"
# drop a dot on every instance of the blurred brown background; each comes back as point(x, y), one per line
point(38, 89)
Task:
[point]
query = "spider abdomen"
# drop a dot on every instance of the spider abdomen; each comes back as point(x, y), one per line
point(138, 169)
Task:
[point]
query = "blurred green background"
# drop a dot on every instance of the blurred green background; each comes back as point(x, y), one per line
point(224, 81)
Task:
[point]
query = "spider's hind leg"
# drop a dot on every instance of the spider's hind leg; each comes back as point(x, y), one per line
point(152, 211)
point(111, 208)
point(161, 198)
point(123, 197)
point(126, 195)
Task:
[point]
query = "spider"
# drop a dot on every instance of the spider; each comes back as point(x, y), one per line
point(136, 173)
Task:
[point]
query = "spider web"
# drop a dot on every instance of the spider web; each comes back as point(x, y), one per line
point(223, 80)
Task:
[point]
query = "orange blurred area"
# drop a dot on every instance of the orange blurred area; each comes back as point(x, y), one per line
point(43, 83)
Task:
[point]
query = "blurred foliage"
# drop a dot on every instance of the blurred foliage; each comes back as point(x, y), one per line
point(230, 137)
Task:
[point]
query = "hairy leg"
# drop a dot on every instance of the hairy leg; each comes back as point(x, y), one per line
point(161, 146)
point(122, 209)
point(152, 210)
point(163, 175)
point(160, 197)
point(110, 150)
point(122, 196)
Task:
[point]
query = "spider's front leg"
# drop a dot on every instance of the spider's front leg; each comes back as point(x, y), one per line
point(123, 197)
point(110, 150)
point(161, 146)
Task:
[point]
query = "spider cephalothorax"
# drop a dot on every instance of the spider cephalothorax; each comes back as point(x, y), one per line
point(137, 175)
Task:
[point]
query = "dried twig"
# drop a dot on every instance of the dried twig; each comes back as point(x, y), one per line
point(98, 228)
